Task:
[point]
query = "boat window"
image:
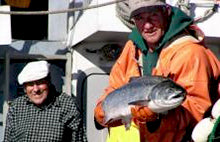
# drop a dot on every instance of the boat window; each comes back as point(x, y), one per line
point(28, 27)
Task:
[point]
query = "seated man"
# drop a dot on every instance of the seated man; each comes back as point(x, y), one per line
point(42, 114)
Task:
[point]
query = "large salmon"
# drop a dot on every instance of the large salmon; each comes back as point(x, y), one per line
point(158, 93)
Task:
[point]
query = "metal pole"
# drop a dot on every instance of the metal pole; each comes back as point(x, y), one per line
point(6, 87)
point(68, 78)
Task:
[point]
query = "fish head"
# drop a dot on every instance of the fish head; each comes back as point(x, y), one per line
point(165, 96)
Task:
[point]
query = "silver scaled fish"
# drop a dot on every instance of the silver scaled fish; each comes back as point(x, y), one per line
point(158, 93)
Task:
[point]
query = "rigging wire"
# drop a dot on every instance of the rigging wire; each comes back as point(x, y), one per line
point(122, 10)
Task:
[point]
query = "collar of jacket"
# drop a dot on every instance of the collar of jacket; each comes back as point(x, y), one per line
point(179, 21)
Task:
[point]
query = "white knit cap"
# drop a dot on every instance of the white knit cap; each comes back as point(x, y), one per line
point(33, 71)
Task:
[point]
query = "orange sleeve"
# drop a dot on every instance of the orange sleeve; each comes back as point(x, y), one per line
point(193, 68)
point(195, 74)
point(125, 67)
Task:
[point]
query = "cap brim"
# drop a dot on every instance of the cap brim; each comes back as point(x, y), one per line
point(144, 9)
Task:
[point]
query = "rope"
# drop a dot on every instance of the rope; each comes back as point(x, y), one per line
point(122, 9)
point(208, 13)
point(185, 6)
point(58, 11)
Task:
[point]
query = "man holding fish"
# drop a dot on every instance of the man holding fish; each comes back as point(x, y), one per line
point(165, 42)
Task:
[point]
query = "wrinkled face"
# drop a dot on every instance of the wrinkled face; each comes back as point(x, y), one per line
point(37, 91)
point(152, 25)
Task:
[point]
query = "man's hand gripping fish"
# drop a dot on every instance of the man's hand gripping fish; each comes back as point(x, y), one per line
point(157, 93)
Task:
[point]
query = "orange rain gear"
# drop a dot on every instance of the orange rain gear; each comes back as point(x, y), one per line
point(186, 62)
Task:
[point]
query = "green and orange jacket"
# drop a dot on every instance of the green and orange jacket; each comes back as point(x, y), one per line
point(186, 61)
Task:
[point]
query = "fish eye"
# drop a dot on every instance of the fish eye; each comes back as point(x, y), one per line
point(169, 90)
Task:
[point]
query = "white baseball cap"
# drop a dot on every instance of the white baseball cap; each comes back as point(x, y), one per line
point(139, 6)
point(33, 71)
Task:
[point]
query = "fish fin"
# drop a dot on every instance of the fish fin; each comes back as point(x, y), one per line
point(139, 102)
point(109, 131)
point(109, 122)
point(127, 126)
point(127, 122)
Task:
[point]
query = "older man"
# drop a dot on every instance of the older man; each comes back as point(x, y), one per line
point(164, 42)
point(43, 115)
